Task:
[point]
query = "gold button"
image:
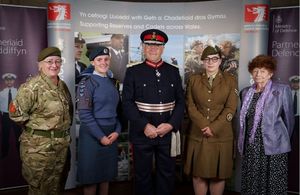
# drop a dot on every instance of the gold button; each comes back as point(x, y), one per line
point(209, 91)
point(208, 109)
point(207, 117)
point(209, 100)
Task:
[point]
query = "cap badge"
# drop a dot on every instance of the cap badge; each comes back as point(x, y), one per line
point(153, 38)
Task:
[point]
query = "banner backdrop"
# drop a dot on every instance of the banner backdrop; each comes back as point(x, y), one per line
point(254, 33)
point(284, 47)
point(22, 36)
point(190, 27)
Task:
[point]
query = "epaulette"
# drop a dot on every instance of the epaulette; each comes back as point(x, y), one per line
point(133, 64)
point(85, 79)
point(176, 66)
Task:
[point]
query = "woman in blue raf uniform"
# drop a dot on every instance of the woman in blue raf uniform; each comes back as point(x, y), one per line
point(97, 103)
point(153, 101)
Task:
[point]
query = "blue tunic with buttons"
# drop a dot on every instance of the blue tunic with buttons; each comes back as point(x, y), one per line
point(97, 100)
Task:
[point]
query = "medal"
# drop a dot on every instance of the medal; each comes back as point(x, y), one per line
point(157, 73)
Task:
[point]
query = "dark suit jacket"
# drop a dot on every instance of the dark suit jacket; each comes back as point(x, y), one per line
point(77, 73)
point(118, 65)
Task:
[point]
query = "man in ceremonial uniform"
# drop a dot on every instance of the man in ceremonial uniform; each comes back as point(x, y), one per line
point(153, 101)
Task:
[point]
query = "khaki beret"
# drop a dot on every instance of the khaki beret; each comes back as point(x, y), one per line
point(210, 50)
point(49, 51)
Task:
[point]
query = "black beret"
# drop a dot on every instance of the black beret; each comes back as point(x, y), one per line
point(49, 51)
point(98, 51)
point(79, 39)
point(210, 50)
point(154, 36)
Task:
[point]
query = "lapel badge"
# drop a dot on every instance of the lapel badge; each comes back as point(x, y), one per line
point(276, 93)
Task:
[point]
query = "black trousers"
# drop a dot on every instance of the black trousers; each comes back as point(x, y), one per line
point(145, 156)
point(7, 126)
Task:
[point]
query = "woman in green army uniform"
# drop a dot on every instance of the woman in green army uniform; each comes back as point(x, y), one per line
point(212, 98)
point(43, 107)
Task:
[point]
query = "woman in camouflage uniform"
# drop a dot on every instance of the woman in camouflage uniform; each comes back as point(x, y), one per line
point(43, 107)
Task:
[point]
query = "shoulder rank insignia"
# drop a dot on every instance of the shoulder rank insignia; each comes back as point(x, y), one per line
point(133, 64)
point(12, 107)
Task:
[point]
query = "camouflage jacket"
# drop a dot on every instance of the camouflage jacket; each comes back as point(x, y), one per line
point(40, 104)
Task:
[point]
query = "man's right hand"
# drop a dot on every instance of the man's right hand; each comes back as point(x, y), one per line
point(150, 131)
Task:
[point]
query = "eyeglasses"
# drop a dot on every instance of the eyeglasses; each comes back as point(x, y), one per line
point(213, 60)
point(50, 62)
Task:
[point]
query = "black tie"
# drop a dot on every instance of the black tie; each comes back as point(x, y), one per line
point(9, 98)
point(295, 102)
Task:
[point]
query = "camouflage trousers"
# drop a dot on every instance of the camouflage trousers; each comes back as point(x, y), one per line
point(43, 160)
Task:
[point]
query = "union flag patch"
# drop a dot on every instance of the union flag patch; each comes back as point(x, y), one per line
point(12, 108)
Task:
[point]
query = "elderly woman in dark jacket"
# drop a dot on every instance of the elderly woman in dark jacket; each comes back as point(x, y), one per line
point(266, 124)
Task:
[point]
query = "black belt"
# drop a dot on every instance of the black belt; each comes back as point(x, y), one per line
point(48, 133)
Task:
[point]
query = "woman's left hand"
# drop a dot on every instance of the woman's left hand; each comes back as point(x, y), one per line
point(207, 132)
point(113, 137)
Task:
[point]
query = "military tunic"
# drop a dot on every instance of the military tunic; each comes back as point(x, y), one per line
point(150, 87)
point(214, 107)
point(146, 84)
point(45, 112)
point(97, 101)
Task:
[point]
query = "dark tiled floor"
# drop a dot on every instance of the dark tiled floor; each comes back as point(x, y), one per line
point(117, 188)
